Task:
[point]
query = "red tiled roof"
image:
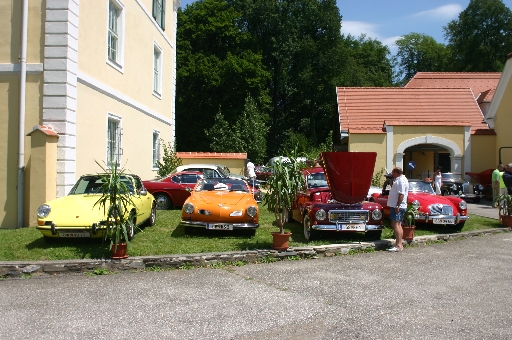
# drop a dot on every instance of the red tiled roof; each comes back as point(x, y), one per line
point(365, 110)
point(47, 130)
point(486, 96)
point(233, 155)
point(478, 82)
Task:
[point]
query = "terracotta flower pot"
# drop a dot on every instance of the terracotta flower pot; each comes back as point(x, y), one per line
point(119, 252)
point(408, 232)
point(506, 220)
point(281, 241)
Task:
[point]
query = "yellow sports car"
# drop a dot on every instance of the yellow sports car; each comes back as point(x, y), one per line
point(75, 216)
point(220, 204)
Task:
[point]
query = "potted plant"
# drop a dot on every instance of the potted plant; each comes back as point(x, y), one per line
point(408, 224)
point(282, 187)
point(115, 201)
point(505, 209)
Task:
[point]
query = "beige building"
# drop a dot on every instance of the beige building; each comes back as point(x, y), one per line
point(436, 120)
point(81, 81)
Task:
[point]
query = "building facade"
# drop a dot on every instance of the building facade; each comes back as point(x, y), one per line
point(97, 85)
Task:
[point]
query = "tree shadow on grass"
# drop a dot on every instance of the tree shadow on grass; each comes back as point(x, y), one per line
point(86, 248)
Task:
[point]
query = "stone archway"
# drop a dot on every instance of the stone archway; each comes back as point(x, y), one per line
point(455, 152)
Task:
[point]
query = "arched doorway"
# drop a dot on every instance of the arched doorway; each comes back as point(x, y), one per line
point(445, 153)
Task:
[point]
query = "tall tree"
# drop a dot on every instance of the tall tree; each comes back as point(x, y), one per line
point(366, 62)
point(419, 53)
point(481, 37)
point(216, 68)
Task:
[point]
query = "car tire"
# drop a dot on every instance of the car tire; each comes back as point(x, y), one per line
point(488, 193)
point(373, 235)
point(309, 233)
point(131, 227)
point(152, 217)
point(163, 201)
point(458, 227)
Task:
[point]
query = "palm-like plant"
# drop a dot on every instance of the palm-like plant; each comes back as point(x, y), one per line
point(116, 201)
point(410, 215)
point(286, 180)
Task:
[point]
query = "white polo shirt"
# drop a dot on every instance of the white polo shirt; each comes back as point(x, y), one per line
point(400, 186)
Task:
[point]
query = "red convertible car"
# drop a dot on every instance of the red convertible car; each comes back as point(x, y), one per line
point(334, 199)
point(173, 190)
point(434, 209)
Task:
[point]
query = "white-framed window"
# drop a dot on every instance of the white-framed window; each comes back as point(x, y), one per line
point(114, 133)
point(115, 34)
point(157, 70)
point(156, 148)
point(159, 13)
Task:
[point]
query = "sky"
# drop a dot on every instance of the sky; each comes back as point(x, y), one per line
point(387, 21)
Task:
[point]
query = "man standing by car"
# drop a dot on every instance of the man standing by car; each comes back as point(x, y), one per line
point(496, 184)
point(397, 201)
point(507, 178)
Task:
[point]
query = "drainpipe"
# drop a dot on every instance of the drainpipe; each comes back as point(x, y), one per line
point(21, 133)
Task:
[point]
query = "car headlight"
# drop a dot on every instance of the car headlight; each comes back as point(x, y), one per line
point(463, 205)
point(188, 208)
point(376, 214)
point(43, 210)
point(415, 204)
point(252, 211)
point(320, 214)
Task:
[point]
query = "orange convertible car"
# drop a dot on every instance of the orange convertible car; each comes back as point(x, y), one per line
point(220, 204)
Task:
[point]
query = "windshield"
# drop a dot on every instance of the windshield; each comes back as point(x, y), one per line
point(90, 185)
point(450, 175)
point(316, 180)
point(224, 170)
point(421, 187)
point(221, 184)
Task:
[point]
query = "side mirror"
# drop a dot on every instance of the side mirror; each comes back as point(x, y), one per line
point(143, 192)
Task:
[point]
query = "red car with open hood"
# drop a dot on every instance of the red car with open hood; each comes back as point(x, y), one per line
point(334, 198)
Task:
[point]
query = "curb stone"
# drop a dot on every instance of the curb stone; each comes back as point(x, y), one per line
point(20, 269)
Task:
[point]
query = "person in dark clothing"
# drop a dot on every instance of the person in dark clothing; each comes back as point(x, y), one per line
point(507, 178)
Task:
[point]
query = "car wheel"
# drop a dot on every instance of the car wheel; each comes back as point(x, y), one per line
point(131, 228)
point(152, 217)
point(458, 227)
point(309, 233)
point(488, 193)
point(373, 235)
point(476, 200)
point(163, 201)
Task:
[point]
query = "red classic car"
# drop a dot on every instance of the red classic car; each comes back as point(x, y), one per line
point(434, 209)
point(333, 198)
point(173, 190)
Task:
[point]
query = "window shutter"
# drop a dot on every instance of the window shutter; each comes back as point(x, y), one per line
point(163, 15)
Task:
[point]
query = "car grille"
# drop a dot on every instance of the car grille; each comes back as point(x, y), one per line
point(440, 209)
point(349, 216)
point(466, 188)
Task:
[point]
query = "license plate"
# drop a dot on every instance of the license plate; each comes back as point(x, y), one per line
point(444, 221)
point(354, 227)
point(220, 226)
point(79, 234)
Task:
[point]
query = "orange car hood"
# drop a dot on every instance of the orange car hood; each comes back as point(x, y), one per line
point(221, 197)
point(349, 174)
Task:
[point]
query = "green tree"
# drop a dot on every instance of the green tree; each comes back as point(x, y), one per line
point(170, 160)
point(248, 134)
point(216, 67)
point(366, 62)
point(419, 53)
point(481, 37)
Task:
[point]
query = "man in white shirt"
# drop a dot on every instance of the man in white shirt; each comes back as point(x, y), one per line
point(397, 201)
point(250, 170)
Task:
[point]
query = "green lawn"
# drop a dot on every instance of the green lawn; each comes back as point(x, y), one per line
point(165, 237)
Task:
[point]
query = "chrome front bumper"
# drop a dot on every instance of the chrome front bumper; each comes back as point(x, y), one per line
point(429, 219)
point(235, 225)
point(337, 227)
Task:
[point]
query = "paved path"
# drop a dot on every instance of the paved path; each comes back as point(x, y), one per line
point(456, 290)
point(483, 208)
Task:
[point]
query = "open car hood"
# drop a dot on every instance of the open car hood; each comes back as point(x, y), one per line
point(349, 174)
